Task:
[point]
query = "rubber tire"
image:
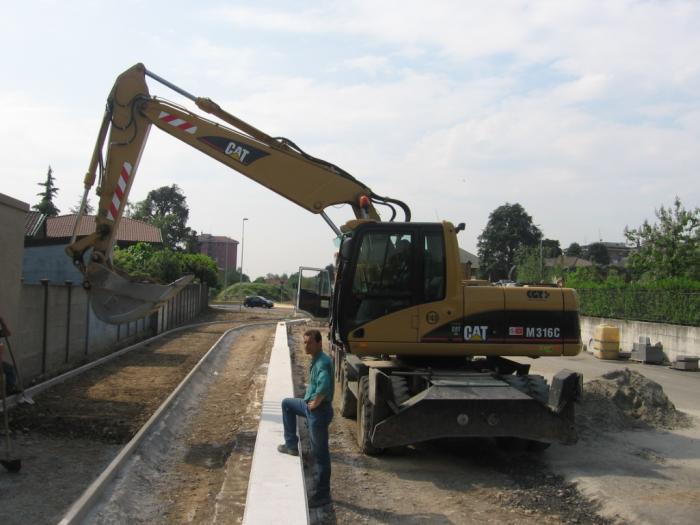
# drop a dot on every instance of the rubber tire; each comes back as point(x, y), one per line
point(365, 411)
point(399, 385)
point(348, 403)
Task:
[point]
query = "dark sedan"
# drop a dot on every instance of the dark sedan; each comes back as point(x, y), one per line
point(258, 300)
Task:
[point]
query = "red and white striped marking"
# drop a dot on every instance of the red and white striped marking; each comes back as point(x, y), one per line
point(177, 122)
point(119, 191)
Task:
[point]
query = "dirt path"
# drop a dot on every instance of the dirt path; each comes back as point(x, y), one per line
point(74, 430)
point(445, 482)
point(220, 440)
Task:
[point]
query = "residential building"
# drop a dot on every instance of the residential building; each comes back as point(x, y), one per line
point(469, 262)
point(223, 250)
point(617, 251)
point(46, 239)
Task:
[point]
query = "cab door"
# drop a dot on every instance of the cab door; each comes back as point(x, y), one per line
point(380, 295)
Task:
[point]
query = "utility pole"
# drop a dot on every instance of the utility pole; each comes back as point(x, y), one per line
point(242, 240)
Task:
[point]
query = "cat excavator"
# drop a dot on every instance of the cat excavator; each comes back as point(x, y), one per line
point(420, 353)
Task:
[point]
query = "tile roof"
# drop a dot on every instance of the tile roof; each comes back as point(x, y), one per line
point(206, 237)
point(33, 223)
point(128, 230)
point(465, 257)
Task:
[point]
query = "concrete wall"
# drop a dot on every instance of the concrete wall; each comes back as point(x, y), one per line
point(676, 339)
point(12, 217)
point(49, 262)
point(47, 343)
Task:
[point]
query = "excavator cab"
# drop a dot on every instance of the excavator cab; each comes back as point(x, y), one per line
point(387, 271)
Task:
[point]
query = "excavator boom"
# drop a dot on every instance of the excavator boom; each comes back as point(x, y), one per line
point(276, 163)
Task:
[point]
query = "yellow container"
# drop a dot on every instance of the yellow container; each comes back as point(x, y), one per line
point(607, 332)
point(606, 338)
point(606, 354)
point(606, 345)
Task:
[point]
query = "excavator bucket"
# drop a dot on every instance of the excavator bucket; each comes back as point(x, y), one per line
point(116, 299)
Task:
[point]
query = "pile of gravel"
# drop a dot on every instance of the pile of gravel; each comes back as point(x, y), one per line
point(625, 400)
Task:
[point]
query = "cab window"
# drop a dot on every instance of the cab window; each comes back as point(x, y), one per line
point(384, 274)
point(433, 267)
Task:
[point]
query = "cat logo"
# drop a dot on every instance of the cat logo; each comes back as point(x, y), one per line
point(475, 333)
point(242, 153)
point(236, 152)
point(540, 295)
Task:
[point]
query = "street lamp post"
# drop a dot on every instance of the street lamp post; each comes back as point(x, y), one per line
point(242, 240)
point(226, 263)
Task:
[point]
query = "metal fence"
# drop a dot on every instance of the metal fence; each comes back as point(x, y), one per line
point(660, 306)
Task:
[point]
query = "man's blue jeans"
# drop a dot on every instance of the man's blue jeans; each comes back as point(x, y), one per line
point(318, 420)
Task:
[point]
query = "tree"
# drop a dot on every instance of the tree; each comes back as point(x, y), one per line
point(669, 248)
point(574, 250)
point(509, 228)
point(166, 208)
point(550, 248)
point(233, 276)
point(598, 253)
point(46, 205)
point(89, 208)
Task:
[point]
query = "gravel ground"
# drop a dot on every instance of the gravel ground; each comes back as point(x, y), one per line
point(75, 429)
point(442, 482)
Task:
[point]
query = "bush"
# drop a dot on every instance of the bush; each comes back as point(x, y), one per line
point(238, 291)
point(672, 300)
point(143, 261)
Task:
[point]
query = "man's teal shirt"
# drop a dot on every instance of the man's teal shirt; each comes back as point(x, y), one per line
point(320, 378)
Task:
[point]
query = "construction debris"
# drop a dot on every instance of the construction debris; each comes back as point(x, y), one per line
point(685, 362)
point(625, 400)
point(644, 352)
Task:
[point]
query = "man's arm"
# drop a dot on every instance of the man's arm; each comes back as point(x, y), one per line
point(313, 403)
point(325, 385)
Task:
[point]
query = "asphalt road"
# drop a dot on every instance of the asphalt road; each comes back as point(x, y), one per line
point(682, 387)
point(649, 476)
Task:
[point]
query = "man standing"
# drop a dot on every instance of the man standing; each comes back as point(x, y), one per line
point(317, 408)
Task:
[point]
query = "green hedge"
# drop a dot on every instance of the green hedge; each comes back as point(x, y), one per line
point(661, 305)
point(238, 291)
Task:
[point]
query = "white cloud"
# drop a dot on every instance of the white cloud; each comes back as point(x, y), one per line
point(585, 112)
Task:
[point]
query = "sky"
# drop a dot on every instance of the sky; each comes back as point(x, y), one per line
point(587, 113)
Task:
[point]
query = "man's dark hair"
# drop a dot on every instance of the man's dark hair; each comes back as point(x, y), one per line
point(315, 334)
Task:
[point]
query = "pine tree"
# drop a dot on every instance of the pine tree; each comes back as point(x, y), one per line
point(46, 205)
point(89, 208)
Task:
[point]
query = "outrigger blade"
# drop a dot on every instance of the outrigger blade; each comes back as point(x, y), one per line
point(116, 299)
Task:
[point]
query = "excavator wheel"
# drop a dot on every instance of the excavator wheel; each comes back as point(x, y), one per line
point(348, 403)
point(399, 385)
point(365, 412)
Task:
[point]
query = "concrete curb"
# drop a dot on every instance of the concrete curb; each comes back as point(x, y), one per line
point(81, 508)
point(276, 491)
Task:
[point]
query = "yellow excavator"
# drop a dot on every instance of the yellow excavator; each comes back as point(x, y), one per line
point(420, 353)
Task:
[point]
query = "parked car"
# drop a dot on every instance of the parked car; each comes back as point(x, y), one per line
point(258, 300)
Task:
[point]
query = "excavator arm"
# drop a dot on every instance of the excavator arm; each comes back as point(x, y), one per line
point(276, 163)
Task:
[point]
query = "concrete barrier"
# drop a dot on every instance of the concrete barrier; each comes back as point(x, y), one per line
point(276, 492)
point(676, 339)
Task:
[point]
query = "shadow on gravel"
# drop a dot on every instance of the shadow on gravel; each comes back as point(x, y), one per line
point(215, 455)
point(327, 517)
point(529, 484)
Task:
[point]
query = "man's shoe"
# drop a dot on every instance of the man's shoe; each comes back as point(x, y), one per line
point(285, 450)
point(317, 500)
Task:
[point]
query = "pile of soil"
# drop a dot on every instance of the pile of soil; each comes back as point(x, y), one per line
point(625, 400)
